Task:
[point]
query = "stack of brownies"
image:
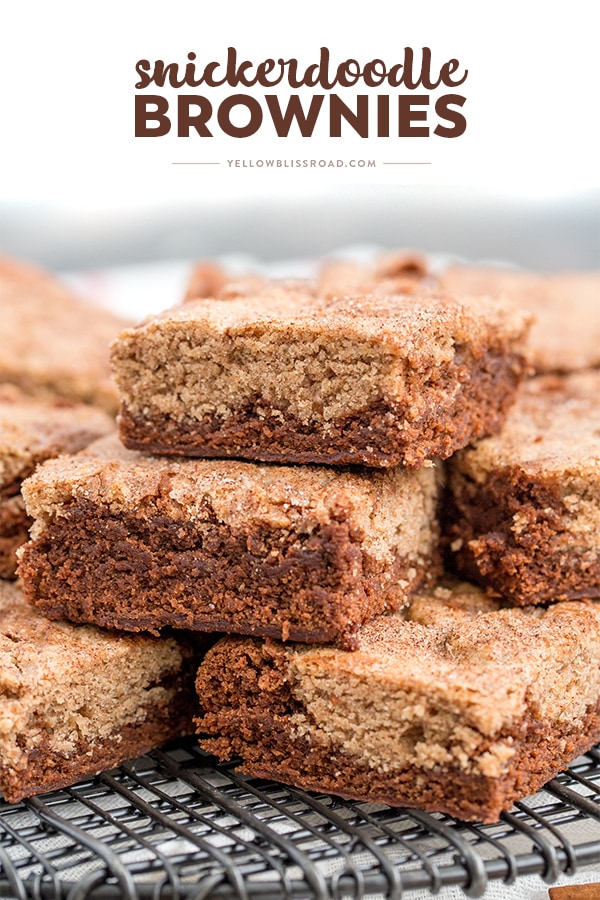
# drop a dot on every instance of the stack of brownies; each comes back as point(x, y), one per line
point(277, 477)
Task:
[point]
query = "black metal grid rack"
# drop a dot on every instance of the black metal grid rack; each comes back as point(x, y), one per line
point(174, 825)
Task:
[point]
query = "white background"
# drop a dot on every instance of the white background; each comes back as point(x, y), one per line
point(68, 75)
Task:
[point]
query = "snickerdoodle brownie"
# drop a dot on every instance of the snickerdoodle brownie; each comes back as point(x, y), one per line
point(75, 700)
point(524, 510)
point(135, 542)
point(32, 431)
point(51, 342)
point(456, 706)
point(566, 334)
point(289, 376)
point(397, 272)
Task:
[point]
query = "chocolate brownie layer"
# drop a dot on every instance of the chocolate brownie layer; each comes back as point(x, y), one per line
point(135, 542)
point(30, 432)
point(51, 342)
point(290, 376)
point(456, 706)
point(523, 515)
point(74, 699)
point(565, 336)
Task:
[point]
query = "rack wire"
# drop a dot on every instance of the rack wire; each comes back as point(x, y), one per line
point(174, 825)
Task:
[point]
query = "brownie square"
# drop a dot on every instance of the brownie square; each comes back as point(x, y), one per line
point(524, 506)
point(456, 705)
point(75, 700)
point(293, 376)
point(51, 342)
point(565, 336)
point(308, 553)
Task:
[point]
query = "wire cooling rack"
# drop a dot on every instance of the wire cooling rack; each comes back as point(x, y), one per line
point(174, 825)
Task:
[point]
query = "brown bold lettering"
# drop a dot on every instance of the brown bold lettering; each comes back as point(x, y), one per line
point(407, 115)
point(442, 108)
point(185, 120)
point(143, 114)
point(359, 120)
point(241, 131)
point(294, 110)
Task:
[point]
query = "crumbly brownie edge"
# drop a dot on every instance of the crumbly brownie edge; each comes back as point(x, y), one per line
point(143, 574)
point(47, 771)
point(526, 566)
point(14, 531)
point(382, 435)
point(255, 725)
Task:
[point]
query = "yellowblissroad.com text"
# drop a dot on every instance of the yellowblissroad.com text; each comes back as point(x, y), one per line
point(301, 163)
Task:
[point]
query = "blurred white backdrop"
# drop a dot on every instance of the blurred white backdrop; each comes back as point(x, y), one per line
point(78, 189)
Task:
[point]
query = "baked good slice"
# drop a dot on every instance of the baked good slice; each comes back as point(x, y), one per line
point(75, 700)
point(458, 705)
point(396, 272)
point(565, 336)
point(136, 542)
point(51, 342)
point(292, 376)
point(523, 515)
point(32, 431)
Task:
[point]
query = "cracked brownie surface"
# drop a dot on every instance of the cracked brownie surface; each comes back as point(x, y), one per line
point(455, 705)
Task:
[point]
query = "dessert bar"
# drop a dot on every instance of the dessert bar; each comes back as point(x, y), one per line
point(565, 336)
point(524, 510)
point(75, 700)
point(51, 342)
point(30, 432)
point(288, 376)
point(307, 553)
point(457, 706)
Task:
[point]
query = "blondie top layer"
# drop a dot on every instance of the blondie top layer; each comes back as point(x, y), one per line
point(51, 342)
point(565, 336)
point(136, 542)
point(292, 377)
point(524, 517)
point(456, 705)
point(75, 700)
point(30, 432)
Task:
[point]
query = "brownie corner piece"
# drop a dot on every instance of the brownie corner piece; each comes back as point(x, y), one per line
point(292, 376)
point(308, 553)
point(75, 700)
point(523, 511)
point(456, 706)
